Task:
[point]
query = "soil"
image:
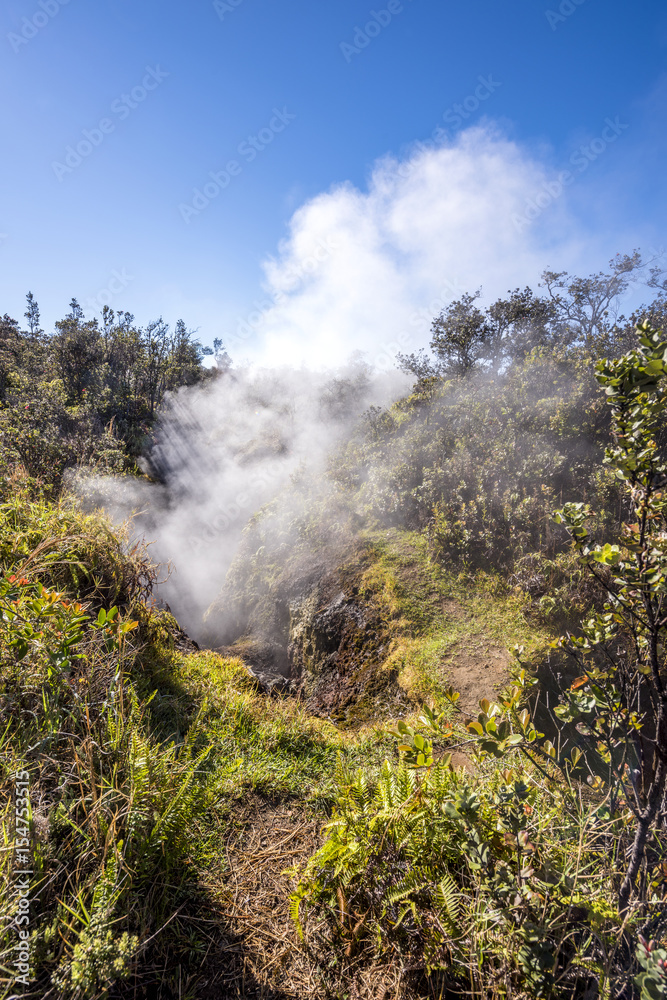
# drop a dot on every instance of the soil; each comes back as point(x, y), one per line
point(473, 666)
point(476, 670)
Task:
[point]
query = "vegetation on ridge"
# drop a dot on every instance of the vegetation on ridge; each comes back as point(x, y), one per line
point(173, 807)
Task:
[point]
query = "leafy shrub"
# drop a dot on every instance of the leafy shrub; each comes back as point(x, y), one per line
point(652, 981)
point(88, 394)
point(487, 882)
point(480, 463)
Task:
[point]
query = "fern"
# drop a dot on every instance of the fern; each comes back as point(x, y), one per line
point(412, 884)
point(431, 861)
point(448, 901)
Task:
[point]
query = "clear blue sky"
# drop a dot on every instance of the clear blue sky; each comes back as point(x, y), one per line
point(64, 233)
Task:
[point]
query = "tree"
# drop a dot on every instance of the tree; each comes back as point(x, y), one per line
point(125, 363)
point(620, 699)
point(519, 323)
point(10, 352)
point(32, 315)
point(464, 338)
point(576, 313)
point(155, 338)
point(223, 362)
point(185, 358)
point(588, 308)
point(458, 337)
point(78, 354)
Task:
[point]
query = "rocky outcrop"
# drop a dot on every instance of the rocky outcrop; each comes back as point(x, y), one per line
point(314, 634)
point(337, 651)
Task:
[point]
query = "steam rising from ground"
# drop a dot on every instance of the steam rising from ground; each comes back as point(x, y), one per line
point(222, 451)
point(359, 270)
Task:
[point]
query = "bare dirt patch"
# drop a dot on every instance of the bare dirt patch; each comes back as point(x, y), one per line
point(476, 669)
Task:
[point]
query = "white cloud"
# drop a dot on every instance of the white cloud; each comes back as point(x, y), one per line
point(368, 270)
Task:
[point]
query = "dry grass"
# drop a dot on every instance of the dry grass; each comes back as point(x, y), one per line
point(254, 949)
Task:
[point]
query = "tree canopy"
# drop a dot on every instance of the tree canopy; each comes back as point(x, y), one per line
point(88, 391)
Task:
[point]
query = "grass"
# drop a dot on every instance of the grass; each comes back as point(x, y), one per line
point(172, 801)
point(433, 614)
point(140, 758)
point(269, 746)
point(69, 550)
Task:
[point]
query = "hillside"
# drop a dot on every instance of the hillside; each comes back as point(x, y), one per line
point(379, 776)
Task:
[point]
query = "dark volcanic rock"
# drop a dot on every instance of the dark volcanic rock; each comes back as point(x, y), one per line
point(315, 632)
point(337, 648)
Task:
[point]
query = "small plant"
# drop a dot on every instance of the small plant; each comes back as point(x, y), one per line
point(468, 878)
point(652, 981)
point(99, 959)
point(122, 805)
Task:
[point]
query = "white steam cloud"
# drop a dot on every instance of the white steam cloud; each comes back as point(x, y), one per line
point(222, 451)
point(368, 270)
point(358, 272)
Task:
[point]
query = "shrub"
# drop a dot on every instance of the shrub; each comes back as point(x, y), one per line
point(111, 809)
point(489, 883)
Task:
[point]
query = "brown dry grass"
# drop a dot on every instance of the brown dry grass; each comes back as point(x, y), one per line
point(254, 950)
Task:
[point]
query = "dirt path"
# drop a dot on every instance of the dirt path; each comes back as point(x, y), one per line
point(255, 951)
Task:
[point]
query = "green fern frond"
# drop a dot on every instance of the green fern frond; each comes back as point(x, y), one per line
point(412, 884)
point(447, 898)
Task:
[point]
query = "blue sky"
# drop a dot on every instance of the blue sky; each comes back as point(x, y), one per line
point(184, 90)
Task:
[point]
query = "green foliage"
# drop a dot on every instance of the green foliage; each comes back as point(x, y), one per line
point(652, 981)
point(469, 877)
point(618, 703)
point(88, 393)
point(416, 747)
point(479, 464)
point(134, 751)
point(120, 825)
point(575, 311)
point(99, 958)
point(419, 842)
point(476, 856)
point(71, 551)
point(490, 442)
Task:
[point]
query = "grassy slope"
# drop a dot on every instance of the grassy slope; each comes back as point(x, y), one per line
point(447, 626)
point(270, 765)
point(275, 769)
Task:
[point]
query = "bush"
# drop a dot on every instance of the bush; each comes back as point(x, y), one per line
point(111, 809)
point(488, 883)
